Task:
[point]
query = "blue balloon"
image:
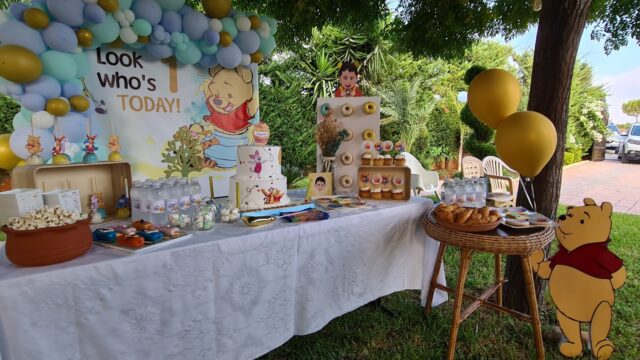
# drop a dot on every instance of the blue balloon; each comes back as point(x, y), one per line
point(171, 5)
point(185, 9)
point(124, 4)
point(45, 86)
point(159, 51)
point(59, 36)
point(15, 89)
point(22, 119)
point(208, 49)
point(33, 102)
point(18, 33)
point(91, 110)
point(229, 25)
point(212, 37)
point(230, 56)
point(107, 31)
point(172, 21)
point(72, 126)
point(71, 88)
point(59, 65)
point(94, 13)
point(208, 61)
point(190, 55)
point(16, 10)
point(69, 12)
point(267, 45)
point(195, 24)
point(248, 41)
point(148, 10)
point(18, 140)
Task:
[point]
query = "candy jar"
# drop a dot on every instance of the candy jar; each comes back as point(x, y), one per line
point(205, 216)
point(228, 212)
point(179, 219)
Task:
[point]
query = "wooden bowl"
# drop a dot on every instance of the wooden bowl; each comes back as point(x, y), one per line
point(48, 246)
point(468, 228)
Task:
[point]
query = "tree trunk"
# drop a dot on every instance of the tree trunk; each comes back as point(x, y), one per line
point(559, 31)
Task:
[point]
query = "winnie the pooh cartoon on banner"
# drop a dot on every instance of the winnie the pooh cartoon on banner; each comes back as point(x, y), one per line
point(583, 276)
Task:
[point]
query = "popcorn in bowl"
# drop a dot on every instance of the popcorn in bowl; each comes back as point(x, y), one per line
point(46, 217)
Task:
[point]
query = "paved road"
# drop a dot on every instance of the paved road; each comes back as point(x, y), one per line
point(608, 180)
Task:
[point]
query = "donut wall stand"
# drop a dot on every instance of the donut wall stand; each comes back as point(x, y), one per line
point(357, 118)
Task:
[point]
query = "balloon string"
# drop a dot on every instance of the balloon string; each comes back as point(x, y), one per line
point(533, 195)
point(526, 192)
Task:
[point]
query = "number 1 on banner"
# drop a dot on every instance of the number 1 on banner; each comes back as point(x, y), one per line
point(173, 74)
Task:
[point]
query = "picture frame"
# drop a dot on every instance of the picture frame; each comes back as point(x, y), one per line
point(320, 184)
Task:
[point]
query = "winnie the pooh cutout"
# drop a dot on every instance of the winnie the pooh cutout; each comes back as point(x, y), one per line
point(583, 275)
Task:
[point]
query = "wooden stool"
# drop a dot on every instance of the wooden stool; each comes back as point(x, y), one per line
point(520, 242)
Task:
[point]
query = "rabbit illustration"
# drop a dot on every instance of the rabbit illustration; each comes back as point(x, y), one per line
point(257, 160)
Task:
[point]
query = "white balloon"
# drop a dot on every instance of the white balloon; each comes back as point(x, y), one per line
point(243, 23)
point(264, 33)
point(129, 16)
point(462, 96)
point(42, 120)
point(124, 23)
point(118, 15)
point(246, 59)
point(265, 26)
point(215, 25)
point(128, 36)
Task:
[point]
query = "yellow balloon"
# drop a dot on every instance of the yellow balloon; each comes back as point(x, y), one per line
point(526, 141)
point(115, 156)
point(21, 163)
point(225, 39)
point(216, 8)
point(85, 37)
point(79, 103)
point(57, 107)
point(257, 57)
point(36, 18)
point(116, 44)
point(108, 5)
point(255, 21)
point(493, 95)
point(8, 160)
point(60, 159)
point(19, 64)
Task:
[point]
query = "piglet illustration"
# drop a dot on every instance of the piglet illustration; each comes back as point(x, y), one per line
point(257, 160)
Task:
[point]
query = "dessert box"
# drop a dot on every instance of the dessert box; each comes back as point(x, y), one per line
point(393, 172)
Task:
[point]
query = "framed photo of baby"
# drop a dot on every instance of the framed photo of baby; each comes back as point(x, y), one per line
point(320, 184)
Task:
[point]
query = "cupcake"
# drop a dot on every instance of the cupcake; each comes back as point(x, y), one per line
point(388, 160)
point(386, 193)
point(376, 194)
point(365, 192)
point(400, 160)
point(397, 194)
point(378, 160)
point(366, 159)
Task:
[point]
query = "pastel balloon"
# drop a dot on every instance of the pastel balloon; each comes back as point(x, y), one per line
point(171, 5)
point(171, 21)
point(107, 31)
point(18, 140)
point(230, 56)
point(493, 95)
point(225, 39)
point(72, 126)
point(257, 57)
point(22, 119)
point(190, 55)
point(216, 8)
point(42, 120)
point(17, 33)
point(127, 35)
point(85, 37)
point(17, 10)
point(94, 13)
point(267, 45)
point(61, 37)
point(141, 27)
point(248, 41)
point(246, 60)
point(194, 25)
point(33, 102)
point(109, 5)
point(159, 51)
point(79, 103)
point(82, 63)
point(526, 141)
point(243, 23)
point(8, 159)
point(229, 26)
point(211, 37)
point(273, 24)
point(46, 86)
point(255, 21)
point(15, 89)
point(124, 4)
point(71, 88)
point(19, 64)
point(208, 61)
point(59, 65)
point(208, 49)
point(36, 18)
point(215, 25)
point(69, 12)
point(148, 10)
point(57, 106)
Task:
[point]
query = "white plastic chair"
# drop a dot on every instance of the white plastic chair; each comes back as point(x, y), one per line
point(472, 166)
point(500, 177)
point(422, 180)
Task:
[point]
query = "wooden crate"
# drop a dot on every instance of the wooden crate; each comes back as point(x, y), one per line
point(108, 177)
point(391, 170)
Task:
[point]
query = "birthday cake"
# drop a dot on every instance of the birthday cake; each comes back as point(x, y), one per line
point(258, 183)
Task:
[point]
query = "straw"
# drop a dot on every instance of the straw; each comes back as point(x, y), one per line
point(211, 192)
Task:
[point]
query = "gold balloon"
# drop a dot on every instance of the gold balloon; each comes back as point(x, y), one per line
point(36, 18)
point(526, 141)
point(257, 57)
point(60, 159)
point(21, 163)
point(8, 160)
point(493, 95)
point(216, 8)
point(116, 44)
point(108, 5)
point(225, 39)
point(79, 103)
point(85, 37)
point(255, 21)
point(143, 39)
point(19, 64)
point(57, 106)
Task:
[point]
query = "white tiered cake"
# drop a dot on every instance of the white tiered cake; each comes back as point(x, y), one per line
point(258, 183)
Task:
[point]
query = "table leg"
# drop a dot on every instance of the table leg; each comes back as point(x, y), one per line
point(533, 306)
point(434, 278)
point(465, 258)
point(498, 266)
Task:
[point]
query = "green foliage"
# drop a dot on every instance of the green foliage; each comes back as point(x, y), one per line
point(322, 73)
point(616, 22)
point(472, 73)
point(586, 110)
point(632, 108)
point(183, 154)
point(8, 109)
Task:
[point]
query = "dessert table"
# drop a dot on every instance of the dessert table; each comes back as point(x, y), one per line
point(231, 293)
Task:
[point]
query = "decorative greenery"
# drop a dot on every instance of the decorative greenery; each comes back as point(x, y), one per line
point(183, 154)
point(8, 109)
point(632, 108)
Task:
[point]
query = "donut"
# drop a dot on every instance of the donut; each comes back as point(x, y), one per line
point(325, 109)
point(369, 107)
point(346, 181)
point(368, 134)
point(349, 134)
point(347, 109)
point(346, 158)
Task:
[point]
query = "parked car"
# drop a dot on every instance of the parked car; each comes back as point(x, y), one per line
point(629, 148)
point(613, 137)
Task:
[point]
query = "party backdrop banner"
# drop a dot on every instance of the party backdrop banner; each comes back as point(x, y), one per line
point(147, 102)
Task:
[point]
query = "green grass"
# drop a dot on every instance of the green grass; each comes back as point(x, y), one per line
point(371, 333)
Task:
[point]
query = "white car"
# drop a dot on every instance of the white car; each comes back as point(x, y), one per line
point(613, 137)
point(629, 149)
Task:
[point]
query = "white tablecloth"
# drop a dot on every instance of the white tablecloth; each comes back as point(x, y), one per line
point(231, 293)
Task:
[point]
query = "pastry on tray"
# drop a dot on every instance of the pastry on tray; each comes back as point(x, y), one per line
point(456, 214)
